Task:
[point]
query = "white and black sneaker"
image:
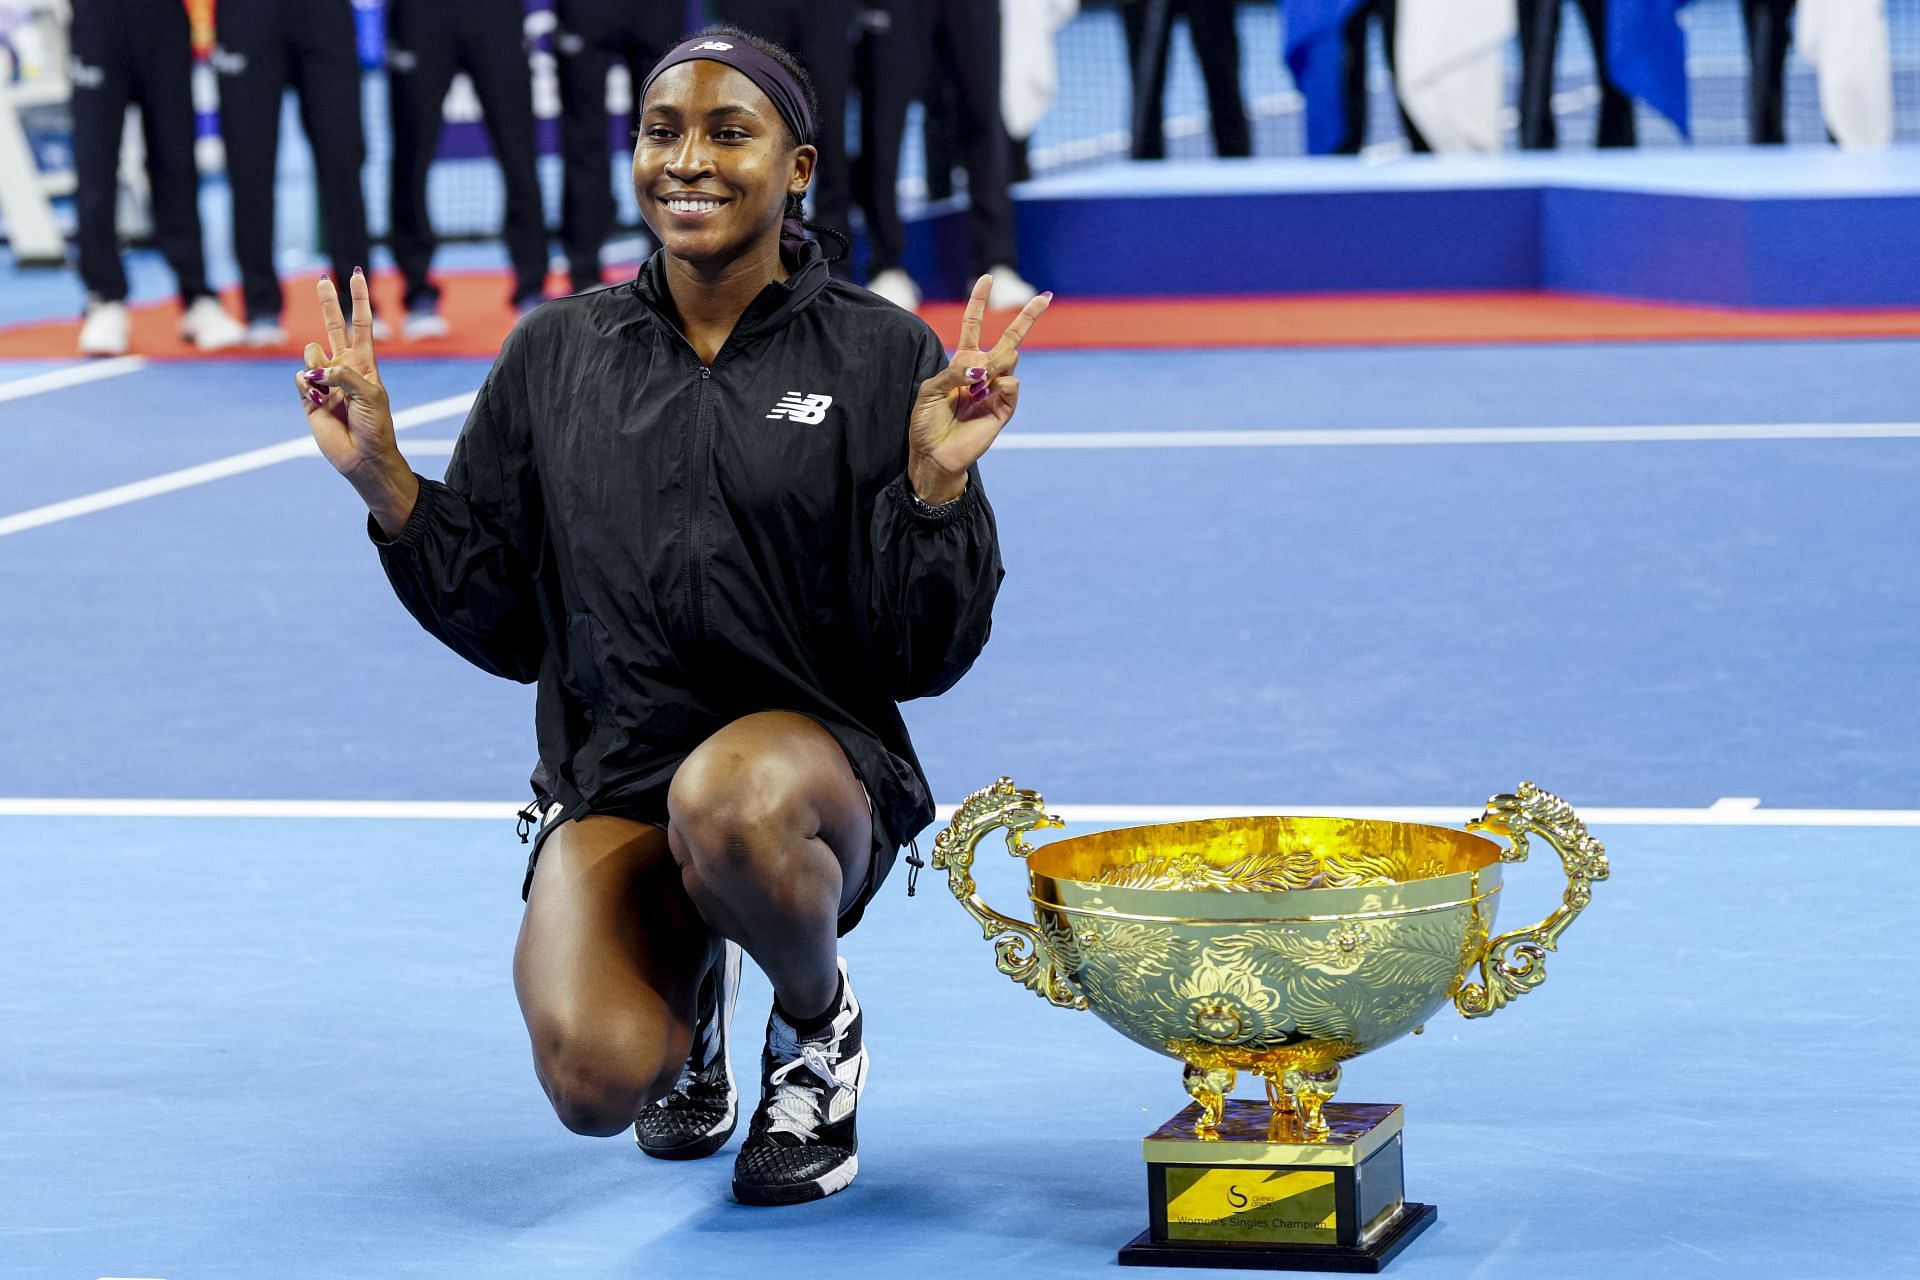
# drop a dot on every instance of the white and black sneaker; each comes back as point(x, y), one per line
point(698, 1117)
point(801, 1143)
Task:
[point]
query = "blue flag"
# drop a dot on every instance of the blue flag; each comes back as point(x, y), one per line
point(1647, 55)
point(1316, 55)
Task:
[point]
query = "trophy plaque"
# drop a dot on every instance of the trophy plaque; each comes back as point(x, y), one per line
point(1279, 946)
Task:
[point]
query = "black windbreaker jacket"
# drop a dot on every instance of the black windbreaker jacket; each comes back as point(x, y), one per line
point(665, 547)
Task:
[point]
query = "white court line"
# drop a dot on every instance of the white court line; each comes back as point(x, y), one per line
point(1741, 812)
point(77, 375)
point(1417, 436)
point(454, 405)
point(1407, 436)
point(186, 478)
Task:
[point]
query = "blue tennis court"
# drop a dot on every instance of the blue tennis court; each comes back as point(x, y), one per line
point(260, 1025)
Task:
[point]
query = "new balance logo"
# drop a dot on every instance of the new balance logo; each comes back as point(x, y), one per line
point(799, 407)
point(718, 45)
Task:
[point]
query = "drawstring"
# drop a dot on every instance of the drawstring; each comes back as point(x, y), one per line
point(914, 863)
point(529, 818)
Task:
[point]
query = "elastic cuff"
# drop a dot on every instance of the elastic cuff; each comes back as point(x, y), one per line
point(937, 517)
point(416, 526)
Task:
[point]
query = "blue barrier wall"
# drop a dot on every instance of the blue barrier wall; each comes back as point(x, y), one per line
point(1810, 230)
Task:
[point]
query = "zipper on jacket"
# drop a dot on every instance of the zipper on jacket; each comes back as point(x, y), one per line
point(697, 511)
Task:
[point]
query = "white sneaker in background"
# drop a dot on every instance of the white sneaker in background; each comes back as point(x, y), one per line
point(423, 323)
point(266, 333)
point(1009, 290)
point(897, 287)
point(107, 331)
point(208, 327)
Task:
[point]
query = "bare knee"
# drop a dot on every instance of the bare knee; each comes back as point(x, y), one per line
point(599, 1084)
point(737, 822)
point(729, 805)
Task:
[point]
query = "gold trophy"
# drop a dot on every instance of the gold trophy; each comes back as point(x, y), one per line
point(1282, 946)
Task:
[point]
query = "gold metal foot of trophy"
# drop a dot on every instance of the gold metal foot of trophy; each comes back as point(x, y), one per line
point(1282, 947)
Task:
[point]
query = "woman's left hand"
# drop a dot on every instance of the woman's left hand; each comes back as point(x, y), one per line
point(962, 409)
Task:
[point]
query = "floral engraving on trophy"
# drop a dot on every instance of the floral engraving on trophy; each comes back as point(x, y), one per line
point(1279, 946)
point(1296, 866)
point(1220, 1003)
point(1121, 959)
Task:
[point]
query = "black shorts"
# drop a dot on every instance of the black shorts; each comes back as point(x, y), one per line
point(553, 813)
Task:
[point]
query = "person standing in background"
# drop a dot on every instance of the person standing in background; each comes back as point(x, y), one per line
point(138, 52)
point(820, 34)
point(592, 36)
point(1539, 42)
point(1029, 72)
point(1355, 78)
point(1768, 35)
point(1216, 40)
point(962, 38)
point(428, 41)
point(265, 47)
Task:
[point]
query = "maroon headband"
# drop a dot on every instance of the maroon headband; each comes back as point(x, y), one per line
point(772, 79)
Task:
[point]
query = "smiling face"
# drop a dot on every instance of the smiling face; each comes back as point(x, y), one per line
point(714, 164)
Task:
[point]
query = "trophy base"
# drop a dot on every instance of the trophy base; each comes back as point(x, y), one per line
point(1260, 1194)
point(1368, 1259)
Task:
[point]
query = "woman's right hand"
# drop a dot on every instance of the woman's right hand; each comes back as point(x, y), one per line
point(348, 413)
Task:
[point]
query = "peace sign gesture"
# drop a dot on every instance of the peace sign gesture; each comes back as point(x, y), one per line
point(347, 409)
point(961, 410)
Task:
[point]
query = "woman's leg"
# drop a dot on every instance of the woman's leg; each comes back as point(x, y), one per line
point(770, 839)
point(770, 827)
point(610, 954)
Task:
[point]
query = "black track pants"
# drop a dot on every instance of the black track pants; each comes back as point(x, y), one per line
point(819, 33)
point(593, 36)
point(1354, 77)
point(1539, 41)
point(135, 52)
point(265, 48)
point(428, 41)
point(1768, 34)
point(959, 39)
point(1217, 42)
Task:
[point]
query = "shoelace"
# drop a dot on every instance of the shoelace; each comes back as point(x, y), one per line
point(694, 1088)
point(796, 1107)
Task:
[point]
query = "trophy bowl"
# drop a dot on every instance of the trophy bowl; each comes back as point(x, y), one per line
point(1280, 946)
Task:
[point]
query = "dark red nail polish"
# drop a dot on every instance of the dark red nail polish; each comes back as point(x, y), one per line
point(976, 374)
point(359, 271)
point(316, 397)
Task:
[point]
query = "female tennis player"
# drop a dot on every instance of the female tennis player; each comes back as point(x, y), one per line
point(726, 517)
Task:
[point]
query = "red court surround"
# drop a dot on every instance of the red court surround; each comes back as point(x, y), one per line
point(475, 305)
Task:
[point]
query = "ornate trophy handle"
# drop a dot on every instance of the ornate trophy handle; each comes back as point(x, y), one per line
point(1019, 950)
point(1513, 964)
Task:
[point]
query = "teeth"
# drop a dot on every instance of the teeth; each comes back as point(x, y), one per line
point(689, 204)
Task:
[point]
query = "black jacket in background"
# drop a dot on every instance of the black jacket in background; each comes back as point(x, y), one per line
point(642, 537)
